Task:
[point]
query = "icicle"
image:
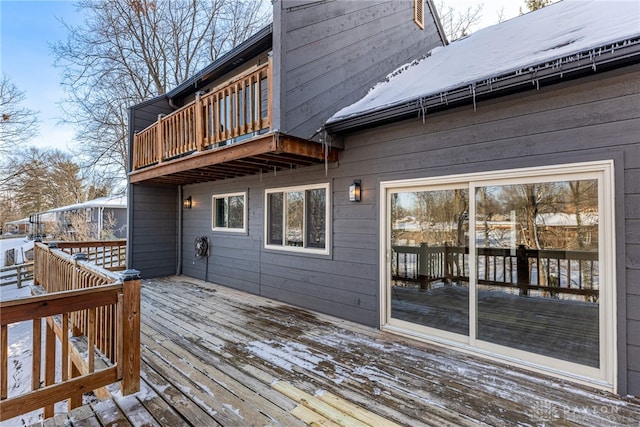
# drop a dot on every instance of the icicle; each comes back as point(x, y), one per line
point(260, 175)
point(423, 110)
point(537, 84)
point(473, 91)
point(275, 171)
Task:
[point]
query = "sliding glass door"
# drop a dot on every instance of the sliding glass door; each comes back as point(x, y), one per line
point(513, 263)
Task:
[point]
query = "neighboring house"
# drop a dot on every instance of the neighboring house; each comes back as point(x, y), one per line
point(427, 207)
point(18, 226)
point(101, 218)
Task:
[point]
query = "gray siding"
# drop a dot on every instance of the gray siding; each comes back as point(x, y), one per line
point(592, 119)
point(329, 53)
point(152, 237)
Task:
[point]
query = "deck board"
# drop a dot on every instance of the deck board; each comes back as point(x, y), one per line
point(211, 355)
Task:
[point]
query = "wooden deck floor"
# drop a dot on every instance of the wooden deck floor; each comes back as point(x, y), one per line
point(215, 356)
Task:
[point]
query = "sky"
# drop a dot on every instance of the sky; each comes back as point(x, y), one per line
point(28, 28)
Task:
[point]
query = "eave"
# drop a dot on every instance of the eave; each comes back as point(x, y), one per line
point(611, 56)
point(266, 153)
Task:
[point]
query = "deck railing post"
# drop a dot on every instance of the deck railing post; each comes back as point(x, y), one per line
point(199, 122)
point(130, 339)
point(19, 276)
point(522, 269)
point(423, 266)
point(160, 139)
point(448, 267)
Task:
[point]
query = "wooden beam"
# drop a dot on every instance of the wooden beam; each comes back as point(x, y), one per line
point(49, 395)
point(283, 150)
point(45, 305)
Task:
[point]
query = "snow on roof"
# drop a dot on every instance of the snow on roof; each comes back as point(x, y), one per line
point(566, 220)
point(546, 35)
point(119, 201)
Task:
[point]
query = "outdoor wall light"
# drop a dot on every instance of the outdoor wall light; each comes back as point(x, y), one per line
point(355, 191)
point(187, 203)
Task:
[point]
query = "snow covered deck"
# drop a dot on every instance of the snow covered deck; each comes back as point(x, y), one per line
point(215, 356)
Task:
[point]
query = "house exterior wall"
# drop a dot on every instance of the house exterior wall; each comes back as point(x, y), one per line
point(594, 118)
point(328, 54)
point(152, 229)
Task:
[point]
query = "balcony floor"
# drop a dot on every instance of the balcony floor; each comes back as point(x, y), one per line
point(215, 356)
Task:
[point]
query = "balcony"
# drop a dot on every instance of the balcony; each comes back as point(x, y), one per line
point(223, 133)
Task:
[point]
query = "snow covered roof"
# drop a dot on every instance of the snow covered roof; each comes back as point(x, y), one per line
point(118, 201)
point(555, 38)
point(566, 220)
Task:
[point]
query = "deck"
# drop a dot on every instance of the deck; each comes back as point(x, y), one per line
point(214, 356)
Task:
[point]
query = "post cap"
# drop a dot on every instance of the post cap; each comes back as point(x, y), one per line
point(80, 256)
point(53, 245)
point(130, 275)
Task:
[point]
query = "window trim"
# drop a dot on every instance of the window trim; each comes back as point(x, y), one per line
point(245, 212)
point(606, 376)
point(297, 249)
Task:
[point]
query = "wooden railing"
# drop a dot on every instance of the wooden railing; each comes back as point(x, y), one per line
point(237, 108)
point(551, 271)
point(94, 313)
point(108, 254)
point(16, 274)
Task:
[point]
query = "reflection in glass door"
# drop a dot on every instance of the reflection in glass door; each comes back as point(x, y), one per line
point(537, 268)
point(430, 258)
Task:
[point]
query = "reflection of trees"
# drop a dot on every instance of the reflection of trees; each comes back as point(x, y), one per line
point(316, 199)
point(295, 217)
point(236, 211)
point(432, 217)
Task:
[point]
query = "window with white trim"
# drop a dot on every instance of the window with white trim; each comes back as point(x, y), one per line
point(515, 263)
point(229, 212)
point(297, 218)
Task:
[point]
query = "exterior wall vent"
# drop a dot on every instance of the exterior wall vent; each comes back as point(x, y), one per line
point(418, 12)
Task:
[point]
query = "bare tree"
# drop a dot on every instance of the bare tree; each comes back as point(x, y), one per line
point(128, 51)
point(18, 124)
point(46, 179)
point(458, 23)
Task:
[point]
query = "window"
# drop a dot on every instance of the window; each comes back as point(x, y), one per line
point(230, 212)
point(418, 12)
point(514, 263)
point(296, 218)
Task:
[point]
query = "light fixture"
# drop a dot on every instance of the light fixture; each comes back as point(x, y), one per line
point(187, 203)
point(355, 191)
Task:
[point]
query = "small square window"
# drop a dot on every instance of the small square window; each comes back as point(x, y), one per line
point(229, 212)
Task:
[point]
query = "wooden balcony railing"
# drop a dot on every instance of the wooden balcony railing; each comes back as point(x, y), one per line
point(552, 272)
point(94, 313)
point(238, 108)
point(108, 254)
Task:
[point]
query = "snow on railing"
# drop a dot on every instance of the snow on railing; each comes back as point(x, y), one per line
point(93, 313)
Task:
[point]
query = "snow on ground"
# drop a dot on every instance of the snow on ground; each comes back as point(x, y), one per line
point(557, 31)
point(20, 245)
point(20, 355)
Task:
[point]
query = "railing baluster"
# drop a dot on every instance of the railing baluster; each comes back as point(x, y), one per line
point(36, 353)
point(4, 361)
point(50, 362)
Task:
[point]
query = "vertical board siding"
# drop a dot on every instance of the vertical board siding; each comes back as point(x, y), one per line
point(334, 51)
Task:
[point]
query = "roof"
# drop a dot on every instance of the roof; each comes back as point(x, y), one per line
point(112, 202)
point(254, 45)
point(553, 41)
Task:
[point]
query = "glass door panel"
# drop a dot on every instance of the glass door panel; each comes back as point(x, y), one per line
point(430, 258)
point(537, 268)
